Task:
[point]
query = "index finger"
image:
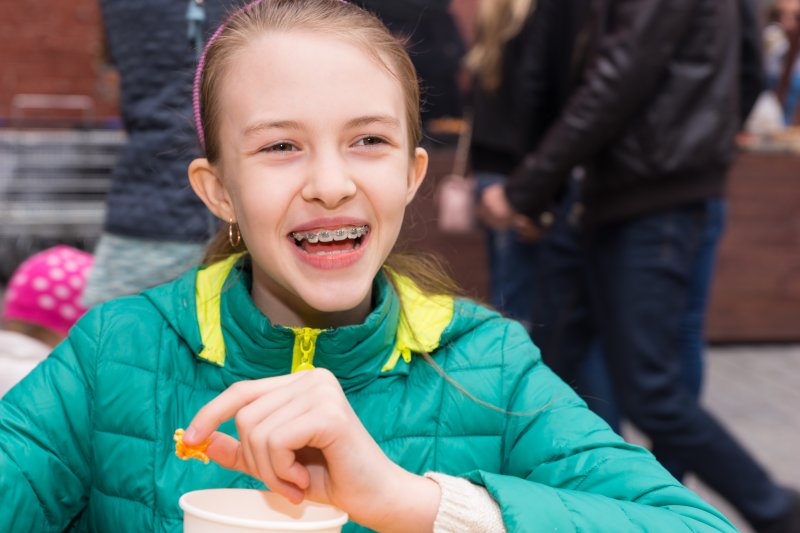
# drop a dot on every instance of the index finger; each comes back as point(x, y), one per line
point(229, 402)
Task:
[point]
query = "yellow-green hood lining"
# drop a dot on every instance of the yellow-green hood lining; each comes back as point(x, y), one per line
point(423, 317)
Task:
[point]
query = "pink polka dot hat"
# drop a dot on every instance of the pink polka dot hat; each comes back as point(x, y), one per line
point(46, 289)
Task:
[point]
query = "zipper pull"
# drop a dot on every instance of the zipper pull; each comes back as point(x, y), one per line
point(304, 347)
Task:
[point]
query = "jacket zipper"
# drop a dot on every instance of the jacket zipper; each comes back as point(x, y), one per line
point(305, 343)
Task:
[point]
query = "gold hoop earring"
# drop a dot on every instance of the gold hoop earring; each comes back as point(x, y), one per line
point(231, 239)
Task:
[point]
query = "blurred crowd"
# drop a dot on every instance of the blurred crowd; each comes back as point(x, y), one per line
point(600, 135)
point(781, 58)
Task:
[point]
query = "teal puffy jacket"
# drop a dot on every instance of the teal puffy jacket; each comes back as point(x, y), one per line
point(86, 439)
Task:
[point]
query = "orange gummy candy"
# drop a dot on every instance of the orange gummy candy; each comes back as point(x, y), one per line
point(190, 452)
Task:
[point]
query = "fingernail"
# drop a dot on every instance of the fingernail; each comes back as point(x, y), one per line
point(190, 435)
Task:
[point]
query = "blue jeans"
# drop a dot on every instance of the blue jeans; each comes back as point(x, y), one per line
point(512, 263)
point(692, 340)
point(629, 283)
point(594, 380)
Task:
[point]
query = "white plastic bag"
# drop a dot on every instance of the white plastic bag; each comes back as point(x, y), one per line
point(455, 193)
point(766, 117)
point(455, 199)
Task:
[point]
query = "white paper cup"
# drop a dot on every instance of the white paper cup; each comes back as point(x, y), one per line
point(250, 511)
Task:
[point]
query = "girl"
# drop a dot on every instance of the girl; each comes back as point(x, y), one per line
point(315, 365)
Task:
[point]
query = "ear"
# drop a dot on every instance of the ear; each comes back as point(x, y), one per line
point(207, 184)
point(416, 174)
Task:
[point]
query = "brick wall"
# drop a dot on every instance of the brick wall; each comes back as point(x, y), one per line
point(54, 47)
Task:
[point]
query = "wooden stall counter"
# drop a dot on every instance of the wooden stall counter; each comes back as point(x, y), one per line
point(756, 290)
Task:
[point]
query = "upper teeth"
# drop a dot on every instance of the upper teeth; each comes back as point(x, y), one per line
point(328, 235)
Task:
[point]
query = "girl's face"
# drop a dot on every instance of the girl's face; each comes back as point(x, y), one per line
point(314, 149)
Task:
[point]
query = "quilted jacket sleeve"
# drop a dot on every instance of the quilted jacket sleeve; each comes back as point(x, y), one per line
point(45, 428)
point(564, 469)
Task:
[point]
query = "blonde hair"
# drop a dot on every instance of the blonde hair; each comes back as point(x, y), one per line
point(498, 22)
point(330, 17)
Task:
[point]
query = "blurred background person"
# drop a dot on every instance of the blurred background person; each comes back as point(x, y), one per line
point(523, 73)
point(155, 226)
point(782, 60)
point(436, 48)
point(692, 343)
point(501, 107)
point(41, 303)
point(656, 139)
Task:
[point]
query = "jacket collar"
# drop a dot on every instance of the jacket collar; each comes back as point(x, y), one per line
point(229, 331)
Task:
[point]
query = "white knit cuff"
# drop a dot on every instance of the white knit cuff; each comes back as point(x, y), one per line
point(465, 508)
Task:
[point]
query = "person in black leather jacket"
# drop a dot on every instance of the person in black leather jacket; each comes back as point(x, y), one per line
point(655, 119)
point(653, 124)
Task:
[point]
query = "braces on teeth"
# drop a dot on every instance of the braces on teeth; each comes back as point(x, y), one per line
point(328, 235)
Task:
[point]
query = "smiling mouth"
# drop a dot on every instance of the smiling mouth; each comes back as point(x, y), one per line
point(330, 241)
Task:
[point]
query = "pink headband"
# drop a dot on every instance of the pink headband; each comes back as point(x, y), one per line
point(198, 75)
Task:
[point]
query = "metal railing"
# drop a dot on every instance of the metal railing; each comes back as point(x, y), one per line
point(53, 183)
point(22, 104)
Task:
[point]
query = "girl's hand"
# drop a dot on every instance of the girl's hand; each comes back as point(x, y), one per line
point(300, 436)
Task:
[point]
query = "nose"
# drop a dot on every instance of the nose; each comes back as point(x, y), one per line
point(329, 181)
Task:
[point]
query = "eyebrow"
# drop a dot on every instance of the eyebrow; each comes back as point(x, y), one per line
point(367, 120)
point(373, 119)
point(258, 127)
